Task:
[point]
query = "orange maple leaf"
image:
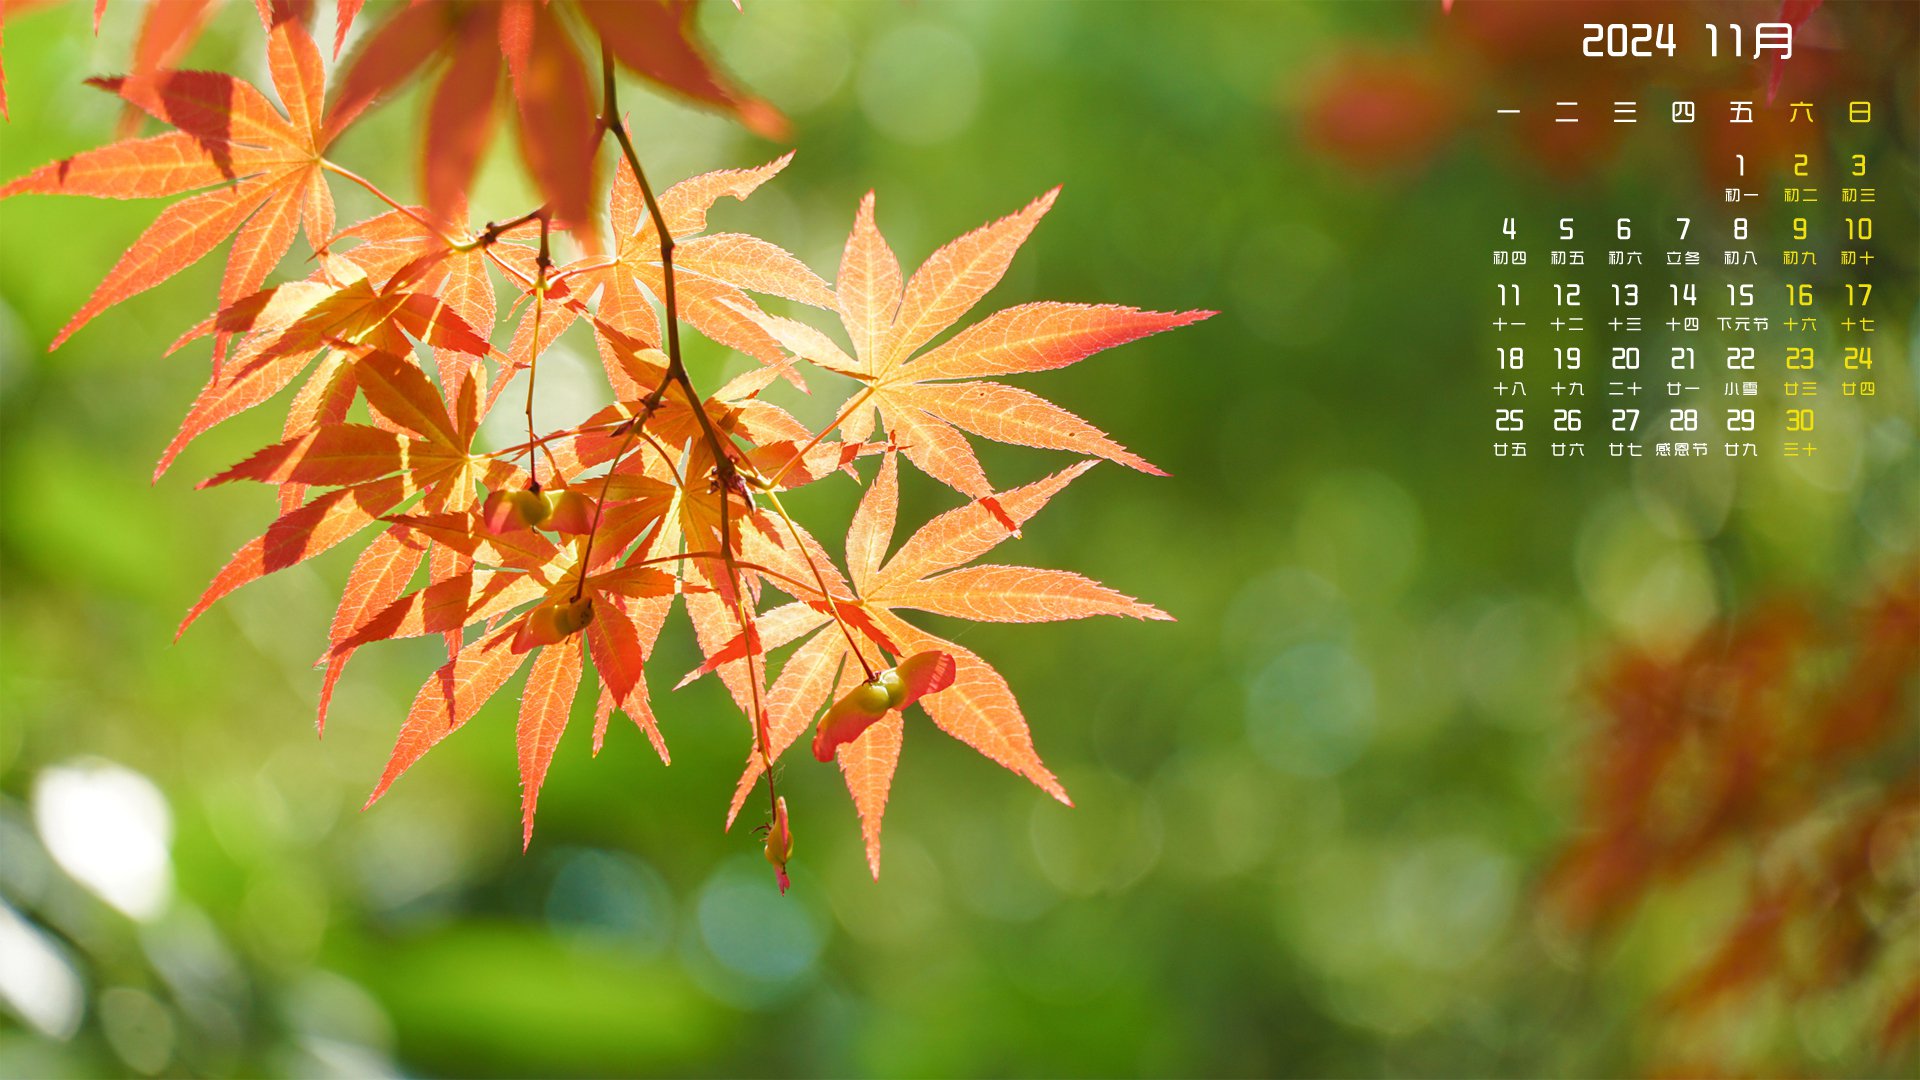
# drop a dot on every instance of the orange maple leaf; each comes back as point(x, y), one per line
point(524, 569)
point(398, 243)
point(264, 169)
point(711, 271)
point(290, 324)
point(926, 574)
point(417, 449)
point(926, 402)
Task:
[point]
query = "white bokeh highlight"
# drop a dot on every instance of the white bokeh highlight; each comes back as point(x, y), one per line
point(109, 828)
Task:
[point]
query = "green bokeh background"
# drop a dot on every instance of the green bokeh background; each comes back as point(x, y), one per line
point(1312, 815)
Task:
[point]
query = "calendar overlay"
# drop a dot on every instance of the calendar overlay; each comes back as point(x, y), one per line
point(1741, 323)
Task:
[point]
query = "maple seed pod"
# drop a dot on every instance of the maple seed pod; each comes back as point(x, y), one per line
point(780, 842)
point(848, 717)
point(873, 697)
point(554, 622)
point(895, 687)
point(575, 615)
point(569, 511)
point(543, 627)
point(504, 511)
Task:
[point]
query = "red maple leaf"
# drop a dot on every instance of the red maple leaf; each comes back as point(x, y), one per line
point(554, 108)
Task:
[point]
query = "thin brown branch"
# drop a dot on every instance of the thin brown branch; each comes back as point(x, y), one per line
point(349, 174)
point(726, 472)
point(542, 263)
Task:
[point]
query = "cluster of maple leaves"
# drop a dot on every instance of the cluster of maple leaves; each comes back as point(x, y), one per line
point(1774, 742)
point(568, 551)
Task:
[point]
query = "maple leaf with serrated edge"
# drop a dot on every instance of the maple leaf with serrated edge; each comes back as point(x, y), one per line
point(497, 571)
point(713, 272)
point(290, 324)
point(398, 243)
point(397, 282)
point(500, 570)
point(513, 570)
point(926, 574)
point(417, 450)
point(927, 401)
point(545, 707)
point(264, 170)
point(694, 521)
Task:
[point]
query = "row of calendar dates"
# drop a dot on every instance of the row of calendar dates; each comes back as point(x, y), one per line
point(1675, 420)
point(1740, 294)
point(1682, 357)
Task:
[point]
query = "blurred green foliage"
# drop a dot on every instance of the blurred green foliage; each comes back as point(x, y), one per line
point(1312, 816)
